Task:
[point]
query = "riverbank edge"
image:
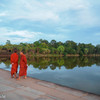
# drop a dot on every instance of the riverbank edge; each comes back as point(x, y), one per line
point(73, 89)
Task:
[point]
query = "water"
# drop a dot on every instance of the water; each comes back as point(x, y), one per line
point(81, 73)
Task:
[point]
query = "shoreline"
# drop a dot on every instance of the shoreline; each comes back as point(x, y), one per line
point(58, 84)
point(63, 91)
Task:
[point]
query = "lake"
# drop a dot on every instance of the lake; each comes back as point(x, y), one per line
point(81, 73)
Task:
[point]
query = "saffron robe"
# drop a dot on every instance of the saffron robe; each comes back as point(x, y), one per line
point(14, 62)
point(23, 66)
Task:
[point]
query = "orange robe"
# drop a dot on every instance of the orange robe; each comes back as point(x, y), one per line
point(14, 60)
point(23, 66)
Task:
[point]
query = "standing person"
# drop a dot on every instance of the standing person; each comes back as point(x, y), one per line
point(23, 66)
point(14, 62)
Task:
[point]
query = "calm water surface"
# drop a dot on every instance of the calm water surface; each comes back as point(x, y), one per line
point(81, 73)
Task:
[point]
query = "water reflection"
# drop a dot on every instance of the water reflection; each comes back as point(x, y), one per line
point(57, 62)
point(56, 70)
point(6, 61)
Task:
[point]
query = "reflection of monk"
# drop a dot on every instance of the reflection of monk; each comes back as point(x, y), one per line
point(14, 62)
point(23, 66)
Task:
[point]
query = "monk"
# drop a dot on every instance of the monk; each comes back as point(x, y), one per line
point(14, 62)
point(23, 66)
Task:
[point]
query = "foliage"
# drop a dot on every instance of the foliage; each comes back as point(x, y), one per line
point(57, 62)
point(53, 47)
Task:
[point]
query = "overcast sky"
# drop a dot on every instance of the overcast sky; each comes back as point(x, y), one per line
point(31, 20)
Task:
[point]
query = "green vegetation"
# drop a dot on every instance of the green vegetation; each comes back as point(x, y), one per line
point(57, 62)
point(53, 48)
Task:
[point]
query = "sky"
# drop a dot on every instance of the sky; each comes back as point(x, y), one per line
point(62, 20)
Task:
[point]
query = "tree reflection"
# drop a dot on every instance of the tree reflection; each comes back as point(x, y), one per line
point(57, 62)
point(6, 61)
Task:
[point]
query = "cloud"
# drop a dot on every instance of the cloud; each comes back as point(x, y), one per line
point(27, 36)
point(59, 12)
point(30, 20)
point(2, 14)
point(62, 29)
point(65, 5)
point(17, 36)
point(78, 12)
point(31, 10)
point(97, 34)
point(54, 10)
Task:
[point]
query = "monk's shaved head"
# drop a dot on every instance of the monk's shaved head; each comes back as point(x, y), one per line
point(15, 50)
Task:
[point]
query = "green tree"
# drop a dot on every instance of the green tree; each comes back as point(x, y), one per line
point(61, 49)
point(86, 51)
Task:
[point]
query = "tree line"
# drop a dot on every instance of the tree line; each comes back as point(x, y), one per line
point(53, 48)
